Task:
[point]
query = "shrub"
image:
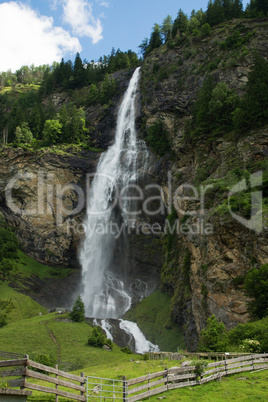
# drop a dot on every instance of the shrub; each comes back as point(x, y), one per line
point(200, 367)
point(213, 338)
point(126, 350)
point(256, 331)
point(205, 30)
point(256, 287)
point(46, 360)
point(8, 249)
point(98, 339)
point(250, 346)
point(158, 139)
point(3, 320)
point(146, 357)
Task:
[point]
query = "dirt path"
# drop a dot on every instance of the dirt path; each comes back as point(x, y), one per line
point(52, 336)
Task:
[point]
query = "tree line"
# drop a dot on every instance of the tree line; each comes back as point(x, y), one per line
point(200, 22)
point(68, 75)
point(26, 119)
point(25, 75)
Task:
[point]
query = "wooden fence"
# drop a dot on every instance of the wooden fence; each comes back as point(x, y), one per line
point(189, 355)
point(178, 377)
point(25, 368)
point(132, 390)
point(10, 355)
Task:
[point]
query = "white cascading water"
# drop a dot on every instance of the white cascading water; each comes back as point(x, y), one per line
point(142, 345)
point(103, 293)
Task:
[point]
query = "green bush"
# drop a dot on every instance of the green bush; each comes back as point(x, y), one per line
point(200, 367)
point(250, 346)
point(256, 287)
point(146, 356)
point(256, 330)
point(98, 339)
point(213, 338)
point(205, 30)
point(3, 320)
point(9, 246)
point(126, 350)
point(157, 138)
point(46, 360)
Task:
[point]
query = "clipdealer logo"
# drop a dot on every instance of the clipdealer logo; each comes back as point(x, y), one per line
point(51, 198)
point(255, 222)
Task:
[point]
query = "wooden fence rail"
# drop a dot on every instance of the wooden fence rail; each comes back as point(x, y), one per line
point(10, 355)
point(25, 368)
point(201, 355)
point(178, 377)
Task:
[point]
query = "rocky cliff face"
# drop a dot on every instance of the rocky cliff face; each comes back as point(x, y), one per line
point(43, 191)
point(212, 251)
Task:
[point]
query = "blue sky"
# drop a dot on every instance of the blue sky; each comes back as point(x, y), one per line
point(42, 31)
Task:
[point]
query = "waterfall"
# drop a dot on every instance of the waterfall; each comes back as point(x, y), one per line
point(108, 215)
point(141, 343)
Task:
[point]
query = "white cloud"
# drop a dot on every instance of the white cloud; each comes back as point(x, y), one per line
point(27, 38)
point(103, 3)
point(78, 13)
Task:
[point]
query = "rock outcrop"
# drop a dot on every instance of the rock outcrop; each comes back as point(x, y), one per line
point(39, 191)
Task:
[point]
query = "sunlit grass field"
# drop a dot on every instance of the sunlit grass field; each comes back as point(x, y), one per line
point(30, 333)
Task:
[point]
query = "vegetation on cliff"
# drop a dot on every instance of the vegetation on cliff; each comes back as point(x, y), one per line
point(8, 249)
point(206, 93)
point(200, 22)
point(27, 119)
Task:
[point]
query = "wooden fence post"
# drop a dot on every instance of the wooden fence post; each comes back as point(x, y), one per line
point(167, 377)
point(125, 396)
point(252, 358)
point(82, 383)
point(225, 364)
point(56, 376)
point(24, 376)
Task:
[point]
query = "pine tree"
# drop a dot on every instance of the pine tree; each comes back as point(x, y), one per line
point(201, 107)
point(155, 39)
point(180, 24)
point(262, 6)
point(144, 46)
point(166, 28)
point(64, 119)
point(79, 73)
point(253, 110)
point(215, 12)
point(78, 311)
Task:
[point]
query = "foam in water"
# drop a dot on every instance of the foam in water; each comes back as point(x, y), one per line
point(141, 343)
